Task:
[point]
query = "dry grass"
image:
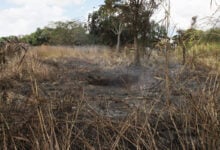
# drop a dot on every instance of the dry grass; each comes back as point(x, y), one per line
point(206, 54)
point(209, 54)
point(98, 54)
point(30, 66)
point(191, 121)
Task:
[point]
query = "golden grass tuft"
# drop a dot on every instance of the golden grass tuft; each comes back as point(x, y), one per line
point(28, 67)
point(206, 54)
point(97, 54)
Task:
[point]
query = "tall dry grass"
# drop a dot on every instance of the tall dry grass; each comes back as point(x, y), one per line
point(97, 54)
point(191, 121)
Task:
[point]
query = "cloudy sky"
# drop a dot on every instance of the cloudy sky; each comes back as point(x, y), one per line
point(19, 17)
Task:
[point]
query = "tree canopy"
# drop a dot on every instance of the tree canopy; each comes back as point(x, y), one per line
point(119, 21)
point(59, 33)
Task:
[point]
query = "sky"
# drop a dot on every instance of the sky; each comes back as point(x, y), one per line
point(20, 17)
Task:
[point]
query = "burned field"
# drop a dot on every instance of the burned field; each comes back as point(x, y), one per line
point(95, 99)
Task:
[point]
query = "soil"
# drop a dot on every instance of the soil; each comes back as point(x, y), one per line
point(110, 91)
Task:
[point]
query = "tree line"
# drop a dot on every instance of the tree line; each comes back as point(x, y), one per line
point(117, 23)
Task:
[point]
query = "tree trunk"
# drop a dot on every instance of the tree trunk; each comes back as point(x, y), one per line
point(137, 61)
point(118, 42)
point(184, 54)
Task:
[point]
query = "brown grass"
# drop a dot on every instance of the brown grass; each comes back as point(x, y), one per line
point(98, 54)
point(191, 121)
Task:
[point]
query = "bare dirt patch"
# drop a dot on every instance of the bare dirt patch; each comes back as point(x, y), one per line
point(112, 91)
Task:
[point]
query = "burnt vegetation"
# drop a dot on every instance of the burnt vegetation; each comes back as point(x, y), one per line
point(10, 48)
point(59, 89)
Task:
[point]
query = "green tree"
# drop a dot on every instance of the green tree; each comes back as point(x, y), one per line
point(157, 33)
point(187, 38)
point(112, 10)
point(117, 19)
point(212, 35)
point(103, 26)
point(63, 32)
point(59, 33)
point(138, 14)
point(39, 37)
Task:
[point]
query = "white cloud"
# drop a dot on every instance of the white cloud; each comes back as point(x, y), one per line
point(24, 20)
point(183, 10)
point(27, 15)
point(46, 2)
